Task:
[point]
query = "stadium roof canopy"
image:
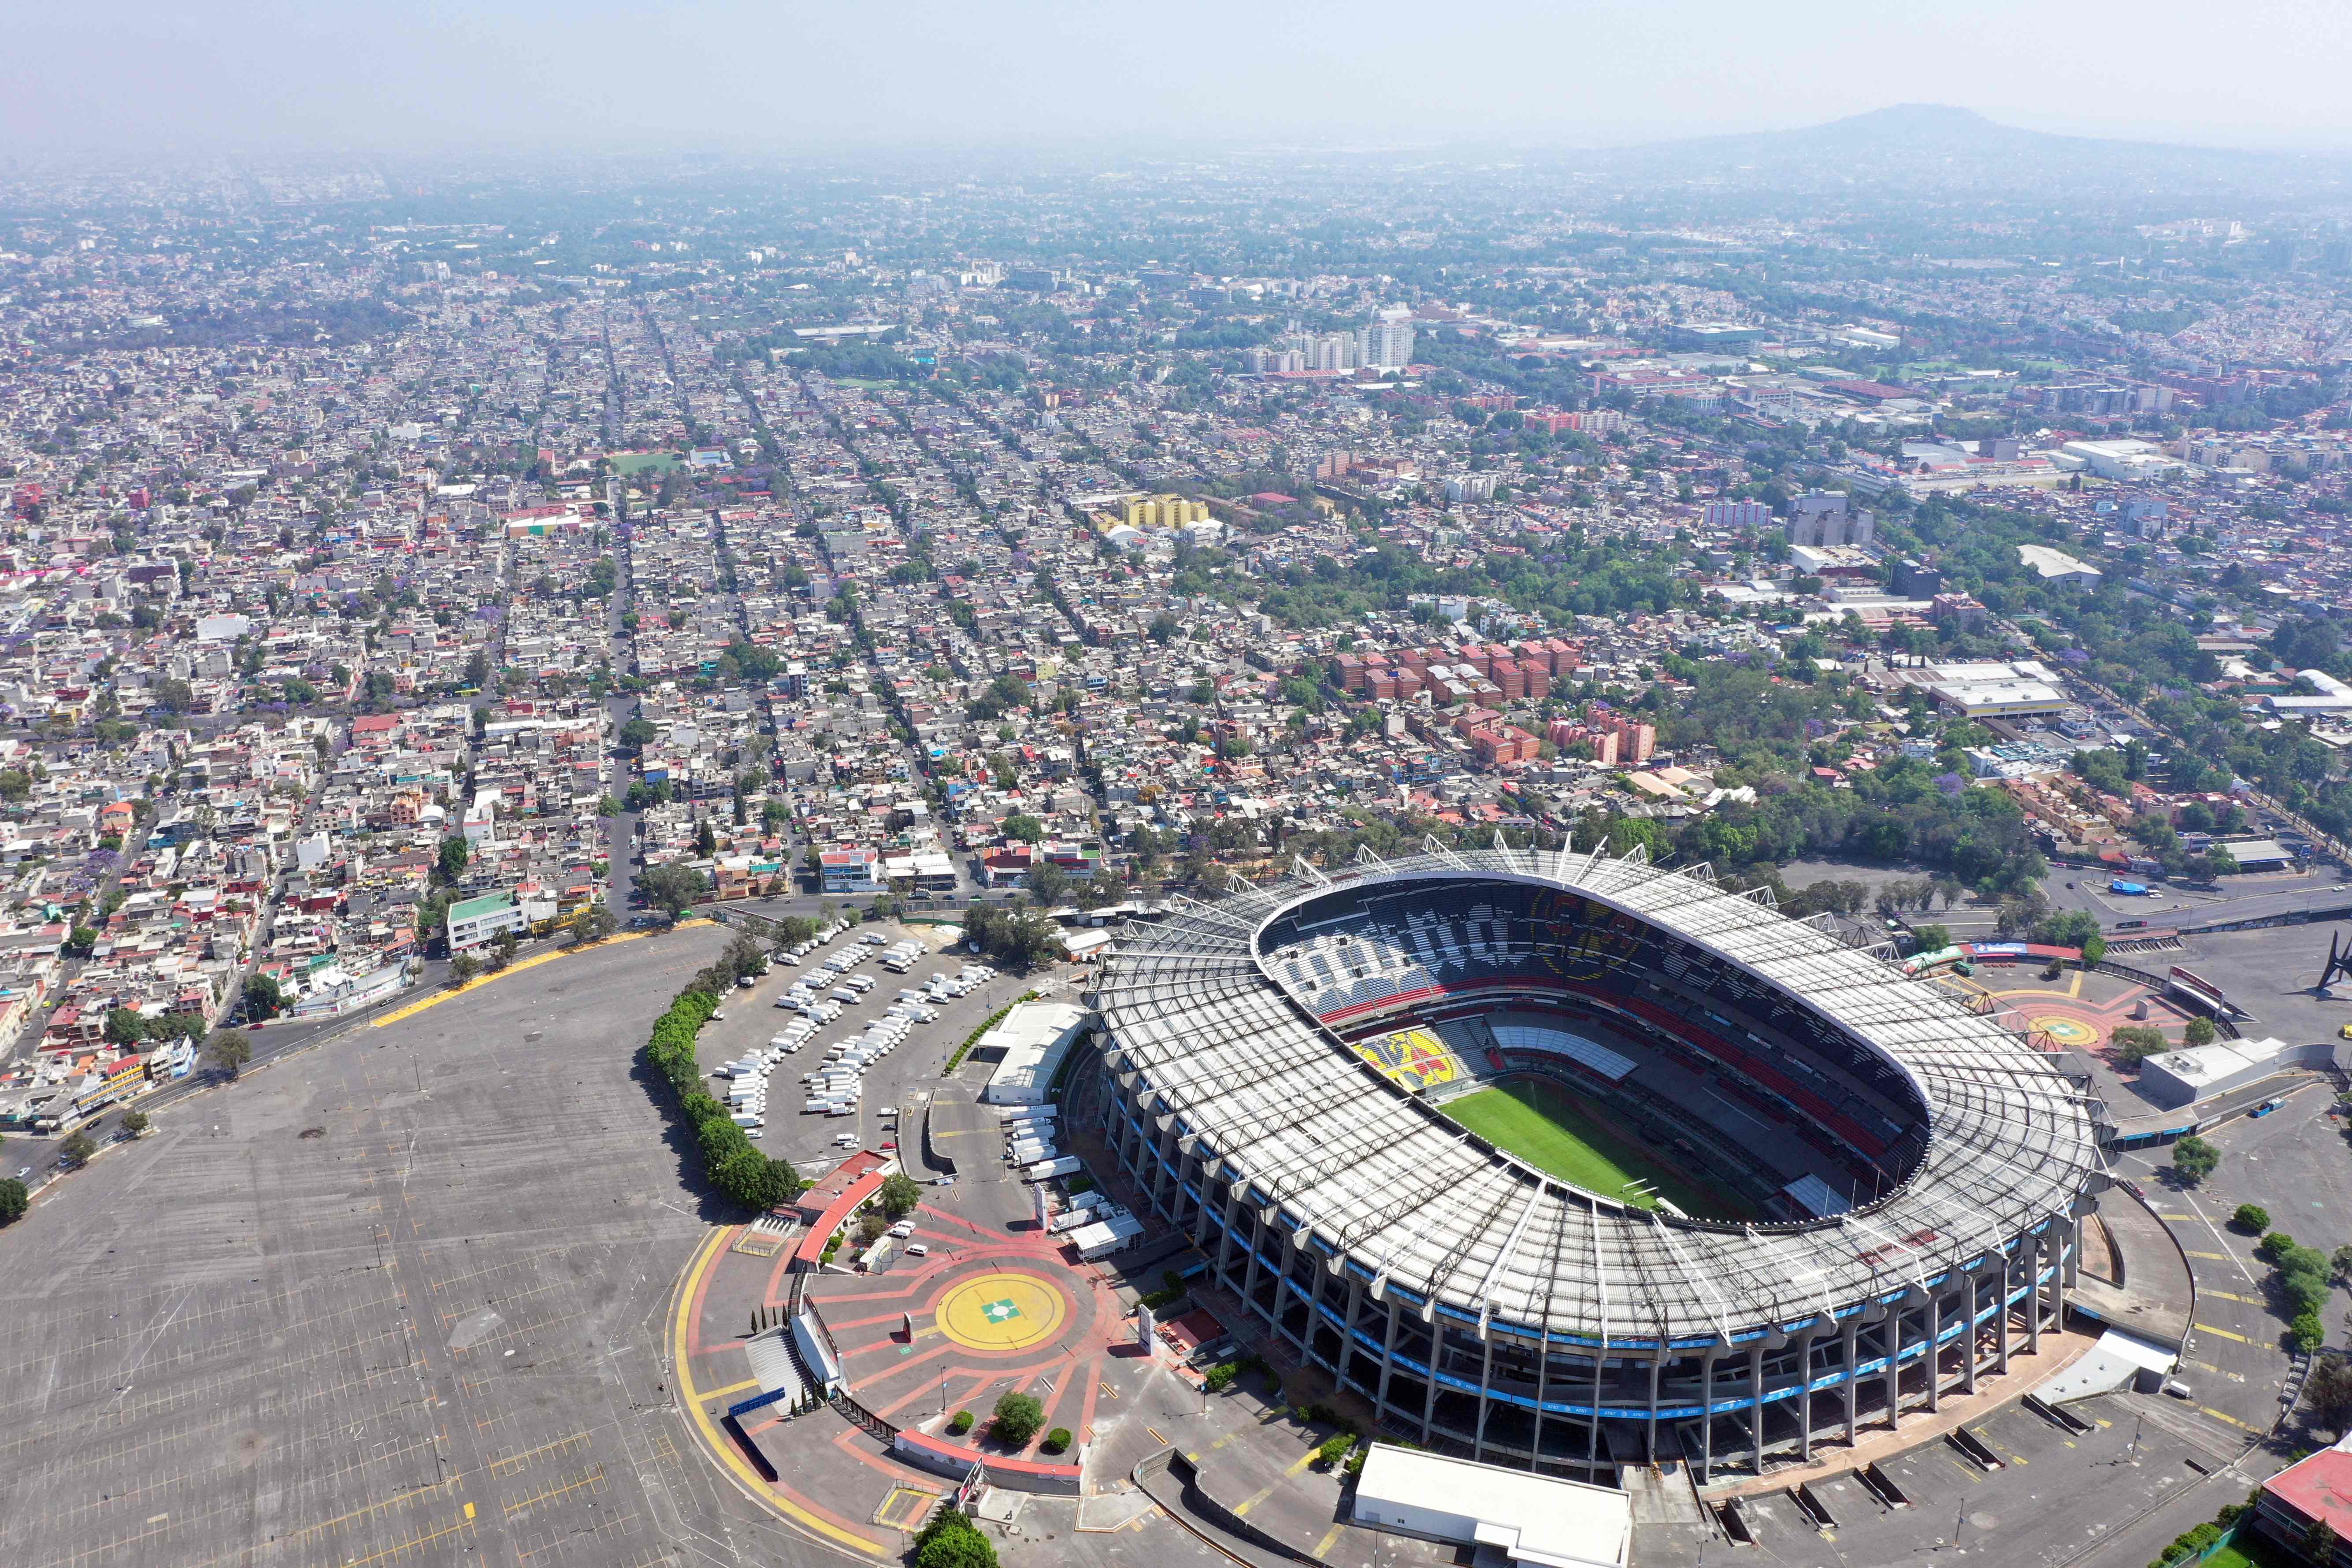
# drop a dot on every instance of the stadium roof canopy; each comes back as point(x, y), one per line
point(1243, 1073)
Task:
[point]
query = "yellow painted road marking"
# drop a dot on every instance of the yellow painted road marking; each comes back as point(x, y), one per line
point(469, 1510)
point(2214, 1257)
point(2249, 1301)
point(711, 1437)
point(730, 1388)
point(419, 1006)
point(1156, 1436)
point(2225, 1415)
point(1268, 1489)
point(1324, 1545)
point(2209, 1328)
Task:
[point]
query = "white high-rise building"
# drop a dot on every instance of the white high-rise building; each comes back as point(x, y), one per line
point(1386, 344)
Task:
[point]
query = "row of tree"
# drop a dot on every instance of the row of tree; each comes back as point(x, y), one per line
point(729, 1163)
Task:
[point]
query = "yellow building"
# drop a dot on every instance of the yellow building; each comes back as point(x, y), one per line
point(1164, 511)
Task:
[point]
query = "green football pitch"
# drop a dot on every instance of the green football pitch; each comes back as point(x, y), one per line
point(1534, 1121)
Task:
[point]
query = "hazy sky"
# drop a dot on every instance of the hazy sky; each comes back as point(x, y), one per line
point(787, 77)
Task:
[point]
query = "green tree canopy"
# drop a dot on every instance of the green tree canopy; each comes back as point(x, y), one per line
point(1016, 1419)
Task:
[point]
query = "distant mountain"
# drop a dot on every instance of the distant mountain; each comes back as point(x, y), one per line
point(1943, 146)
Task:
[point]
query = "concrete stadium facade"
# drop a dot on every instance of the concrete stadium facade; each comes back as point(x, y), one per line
point(1488, 1309)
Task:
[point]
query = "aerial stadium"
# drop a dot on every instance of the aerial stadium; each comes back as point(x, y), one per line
point(1567, 1162)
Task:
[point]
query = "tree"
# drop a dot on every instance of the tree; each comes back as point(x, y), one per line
point(463, 968)
point(2252, 1218)
point(638, 734)
point(705, 839)
point(136, 1122)
point(953, 1541)
point(124, 1026)
point(2319, 1543)
point(673, 885)
point(745, 958)
point(2134, 1043)
point(2199, 1032)
point(1016, 1419)
point(502, 948)
point(230, 1049)
point(2329, 1389)
point(899, 1196)
point(455, 854)
point(1932, 937)
point(1024, 827)
point(80, 1147)
point(2194, 1158)
point(81, 939)
point(593, 923)
point(264, 998)
point(13, 1201)
point(2067, 928)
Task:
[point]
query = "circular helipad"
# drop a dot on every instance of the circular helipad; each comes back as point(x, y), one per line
point(2064, 1031)
point(1001, 1311)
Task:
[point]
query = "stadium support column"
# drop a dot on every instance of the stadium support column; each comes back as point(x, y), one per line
point(1348, 1330)
point(1756, 1401)
point(1805, 1338)
point(1852, 1337)
point(2038, 1244)
point(1429, 1380)
point(2062, 1253)
point(2000, 1318)
point(1485, 1379)
point(1894, 1359)
point(1163, 1162)
point(1543, 1383)
point(1650, 1433)
point(1968, 1339)
point(1256, 1243)
point(1933, 1354)
point(1225, 1242)
point(1314, 1299)
point(1705, 1413)
point(1201, 1214)
point(1288, 1283)
point(1130, 1112)
point(1388, 1361)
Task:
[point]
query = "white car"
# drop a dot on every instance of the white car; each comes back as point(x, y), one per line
point(916, 1249)
point(903, 1229)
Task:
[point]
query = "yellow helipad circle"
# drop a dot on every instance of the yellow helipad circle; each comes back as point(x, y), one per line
point(1000, 1312)
point(2066, 1031)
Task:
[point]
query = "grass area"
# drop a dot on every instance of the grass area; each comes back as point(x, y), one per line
point(1537, 1123)
point(638, 462)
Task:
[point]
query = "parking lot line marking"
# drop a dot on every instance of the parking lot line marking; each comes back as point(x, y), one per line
point(2225, 1415)
point(2209, 1328)
point(1324, 1545)
point(517, 1461)
point(713, 1439)
point(1156, 1436)
point(2250, 1300)
point(2212, 1257)
point(730, 1388)
point(2216, 1233)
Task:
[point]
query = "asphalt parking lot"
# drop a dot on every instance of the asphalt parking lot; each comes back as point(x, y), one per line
point(905, 1079)
point(396, 1300)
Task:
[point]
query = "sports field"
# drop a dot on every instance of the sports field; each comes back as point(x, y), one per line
point(1536, 1122)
